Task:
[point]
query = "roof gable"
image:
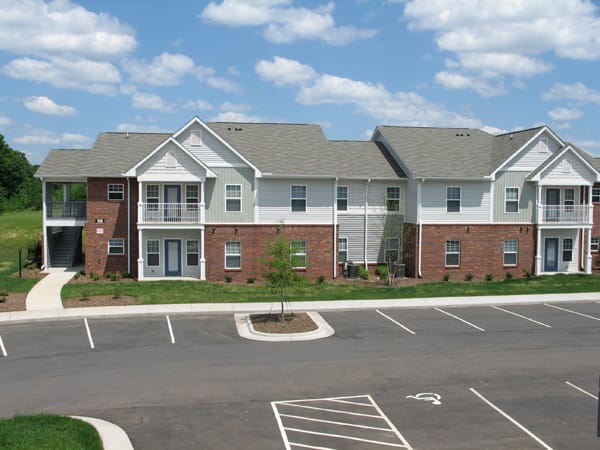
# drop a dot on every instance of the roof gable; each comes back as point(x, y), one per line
point(567, 166)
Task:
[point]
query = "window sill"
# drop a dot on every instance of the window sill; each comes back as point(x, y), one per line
point(238, 269)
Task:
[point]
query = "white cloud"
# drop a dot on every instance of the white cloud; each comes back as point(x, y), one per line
point(284, 23)
point(164, 70)
point(200, 104)
point(565, 114)
point(493, 130)
point(494, 39)
point(4, 121)
point(44, 105)
point(589, 144)
point(577, 91)
point(485, 88)
point(234, 71)
point(233, 107)
point(45, 137)
point(146, 100)
point(60, 28)
point(282, 71)
point(91, 76)
point(234, 116)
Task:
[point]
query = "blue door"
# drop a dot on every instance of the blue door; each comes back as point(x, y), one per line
point(551, 255)
point(172, 257)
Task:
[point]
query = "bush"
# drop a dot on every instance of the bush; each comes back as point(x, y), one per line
point(117, 290)
point(363, 273)
point(85, 293)
point(469, 277)
point(508, 276)
point(3, 295)
point(489, 277)
point(527, 274)
point(250, 280)
point(94, 276)
point(382, 271)
point(446, 277)
point(77, 275)
point(228, 279)
point(321, 279)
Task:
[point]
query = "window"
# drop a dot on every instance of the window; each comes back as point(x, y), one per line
point(191, 252)
point(542, 145)
point(171, 161)
point(153, 253)
point(392, 249)
point(191, 197)
point(196, 138)
point(116, 192)
point(298, 197)
point(342, 198)
point(511, 249)
point(569, 199)
point(343, 250)
point(511, 200)
point(595, 244)
point(452, 253)
point(567, 250)
point(392, 198)
point(453, 199)
point(595, 195)
point(233, 197)
point(116, 246)
point(233, 255)
point(152, 197)
point(298, 251)
point(566, 166)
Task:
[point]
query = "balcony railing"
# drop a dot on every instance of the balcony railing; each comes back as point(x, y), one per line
point(565, 214)
point(175, 213)
point(66, 210)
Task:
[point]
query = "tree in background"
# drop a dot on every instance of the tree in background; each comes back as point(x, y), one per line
point(18, 188)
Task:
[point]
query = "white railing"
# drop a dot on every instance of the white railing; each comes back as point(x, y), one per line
point(66, 210)
point(174, 213)
point(565, 214)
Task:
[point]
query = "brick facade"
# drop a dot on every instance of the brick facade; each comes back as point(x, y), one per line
point(254, 239)
point(481, 250)
point(114, 215)
point(596, 231)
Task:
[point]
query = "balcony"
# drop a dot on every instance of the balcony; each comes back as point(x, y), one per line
point(170, 213)
point(66, 210)
point(565, 214)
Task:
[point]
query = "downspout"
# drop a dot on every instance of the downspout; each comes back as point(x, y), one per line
point(44, 227)
point(335, 182)
point(366, 221)
point(419, 221)
point(129, 226)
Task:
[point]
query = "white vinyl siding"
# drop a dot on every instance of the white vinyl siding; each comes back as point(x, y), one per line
point(579, 175)
point(353, 228)
point(209, 150)
point(180, 167)
point(530, 157)
point(474, 203)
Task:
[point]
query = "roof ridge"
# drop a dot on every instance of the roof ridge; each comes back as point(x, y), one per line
point(521, 131)
point(265, 123)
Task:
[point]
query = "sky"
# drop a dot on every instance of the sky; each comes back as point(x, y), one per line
point(72, 69)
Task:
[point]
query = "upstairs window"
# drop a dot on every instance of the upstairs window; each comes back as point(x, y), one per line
point(152, 197)
point(452, 254)
point(569, 199)
point(595, 195)
point(342, 198)
point(392, 198)
point(511, 200)
point(453, 199)
point(567, 250)
point(116, 191)
point(233, 197)
point(511, 249)
point(298, 252)
point(191, 197)
point(298, 198)
point(196, 138)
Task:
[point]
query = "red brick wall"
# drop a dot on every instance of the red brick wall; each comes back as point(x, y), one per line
point(254, 238)
point(596, 230)
point(114, 213)
point(482, 249)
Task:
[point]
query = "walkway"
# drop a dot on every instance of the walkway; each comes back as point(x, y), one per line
point(45, 295)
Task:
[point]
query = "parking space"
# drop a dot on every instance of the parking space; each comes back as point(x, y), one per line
point(108, 334)
point(555, 316)
point(204, 330)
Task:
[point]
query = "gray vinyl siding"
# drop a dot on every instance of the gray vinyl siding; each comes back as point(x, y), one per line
point(526, 198)
point(212, 152)
point(411, 201)
point(161, 235)
point(352, 227)
point(375, 245)
point(215, 195)
point(185, 168)
point(474, 202)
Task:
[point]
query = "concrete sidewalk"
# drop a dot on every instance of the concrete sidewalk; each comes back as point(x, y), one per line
point(45, 295)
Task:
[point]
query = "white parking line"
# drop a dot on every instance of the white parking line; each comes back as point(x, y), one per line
point(352, 438)
point(581, 390)
point(2, 347)
point(170, 330)
point(329, 410)
point(397, 323)
point(572, 312)
point(458, 318)
point(522, 317)
point(533, 436)
point(89, 333)
point(333, 422)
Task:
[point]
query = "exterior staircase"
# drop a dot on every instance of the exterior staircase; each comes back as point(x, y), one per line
point(63, 246)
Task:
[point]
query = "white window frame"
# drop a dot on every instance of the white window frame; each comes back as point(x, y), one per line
point(196, 138)
point(453, 252)
point(459, 199)
point(344, 198)
point(112, 243)
point(563, 249)
point(297, 250)
point(340, 250)
point(152, 200)
point(388, 248)
point(188, 253)
point(193, 204)
point(394, 199)
point(293, 198)
point(228, 252)
point(569, 203)
point(596, 195)
point(507, 200)
point(148, 252)
point(506, 252)
point(233, 199)
point(120, 190)
point(595, 244)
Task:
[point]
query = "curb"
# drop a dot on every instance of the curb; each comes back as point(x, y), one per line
point(113, 436)
point(246, 330)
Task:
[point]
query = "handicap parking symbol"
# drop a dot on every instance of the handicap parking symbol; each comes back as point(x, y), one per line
point(432, 397)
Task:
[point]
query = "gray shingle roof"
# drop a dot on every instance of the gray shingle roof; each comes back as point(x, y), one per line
point(453, 152)
point(63, 163)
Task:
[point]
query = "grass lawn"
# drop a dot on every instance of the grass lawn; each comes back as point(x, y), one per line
point(48, 432)
point(20, 229)
point(154, 292)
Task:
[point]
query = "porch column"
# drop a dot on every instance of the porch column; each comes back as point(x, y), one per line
point(202, 203)
point(588, 252)
point(46, 247)
point(140, 261)
point(140, 205)
point(539, 214)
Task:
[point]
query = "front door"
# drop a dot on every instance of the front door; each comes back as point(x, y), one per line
point(552, 205)
point(551, 255)
point(172, 257)
point(172, 203)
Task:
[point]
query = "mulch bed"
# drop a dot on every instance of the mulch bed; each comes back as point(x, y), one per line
point(100, 300)
point(292, 323)
point(14, 302)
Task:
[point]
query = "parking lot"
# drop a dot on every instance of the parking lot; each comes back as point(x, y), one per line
point(464, 377)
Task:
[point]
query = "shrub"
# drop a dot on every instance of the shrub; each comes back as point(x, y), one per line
point(363, 273)
point(77, 275)
point(117, 290)
point(508, 276)
point(382, 271)
point(228, 279)
point(94, 276)
point(321, 279)
point(489, 277)
point(250, 280)
point(85, 293)
point(469, 277)
point(527, 274)
point(446, 277)
point(3, 295)
point(107, 275)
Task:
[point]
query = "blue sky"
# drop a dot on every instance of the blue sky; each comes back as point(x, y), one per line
point(69, 70)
